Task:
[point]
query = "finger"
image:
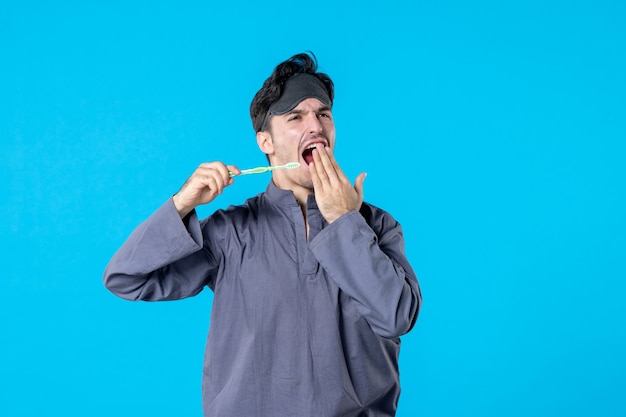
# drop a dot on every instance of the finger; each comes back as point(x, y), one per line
point(335, 174)
point(233, 169)
point(217, 167)
point(317, 183)
point(326, 167)
point(326, 162)
point(225, 174)
point(318, 166)
point(333, 161)
point(211, 182)
point(358, 185)
point(222, 172)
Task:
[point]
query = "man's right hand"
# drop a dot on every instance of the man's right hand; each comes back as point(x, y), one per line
point(206, 183)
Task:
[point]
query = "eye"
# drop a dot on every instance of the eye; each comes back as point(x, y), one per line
point(294, 117)
point(326, 115)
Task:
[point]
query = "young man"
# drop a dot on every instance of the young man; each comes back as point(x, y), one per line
point(312, 288)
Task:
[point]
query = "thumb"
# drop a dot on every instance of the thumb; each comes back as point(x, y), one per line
point(358, 184)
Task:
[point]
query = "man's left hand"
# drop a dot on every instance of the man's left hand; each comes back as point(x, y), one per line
point(334, 193)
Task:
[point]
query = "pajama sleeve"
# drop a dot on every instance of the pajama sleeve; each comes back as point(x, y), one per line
point(369, 264)
point(163, 259)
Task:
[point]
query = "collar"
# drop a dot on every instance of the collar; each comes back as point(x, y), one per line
point(286, 198)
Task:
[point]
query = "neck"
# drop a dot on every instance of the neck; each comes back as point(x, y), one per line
point(301, 192)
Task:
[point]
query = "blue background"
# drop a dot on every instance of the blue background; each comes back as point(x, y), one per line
point(493, 131)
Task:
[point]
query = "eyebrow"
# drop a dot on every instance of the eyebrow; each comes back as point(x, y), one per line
point(297, 111)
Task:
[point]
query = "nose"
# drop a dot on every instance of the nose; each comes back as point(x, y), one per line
point(314, 124)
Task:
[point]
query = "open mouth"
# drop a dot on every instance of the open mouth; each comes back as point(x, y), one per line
point(307, 155)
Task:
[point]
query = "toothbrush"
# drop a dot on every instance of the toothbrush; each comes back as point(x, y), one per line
point(260, 170)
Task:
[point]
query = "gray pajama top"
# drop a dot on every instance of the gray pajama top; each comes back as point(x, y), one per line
point(297, 328)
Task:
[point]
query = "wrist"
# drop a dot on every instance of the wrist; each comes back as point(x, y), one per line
point(182, 210)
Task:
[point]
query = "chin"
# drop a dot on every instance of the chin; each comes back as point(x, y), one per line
point(306, 182)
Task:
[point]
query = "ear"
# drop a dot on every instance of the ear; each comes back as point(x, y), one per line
point(264, 140)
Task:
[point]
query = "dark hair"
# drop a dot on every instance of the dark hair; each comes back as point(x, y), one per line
point(273, 86)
